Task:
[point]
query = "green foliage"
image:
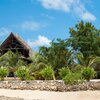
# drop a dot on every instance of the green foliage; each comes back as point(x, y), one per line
point(88, 73)
point(37, 67)
point(3, 72)
point(69, 77)
point(47, 73)
point(63, 72)
point(23, 73)
point(11, 59)
point(89, 61)
point(84, 43)
point(41, 66)
point(57, 54)
point(85, 38)
point(72, 78)
point(38, 63)
point(76, 67)
point(37, 58)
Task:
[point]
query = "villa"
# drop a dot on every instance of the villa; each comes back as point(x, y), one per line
point(15, 43)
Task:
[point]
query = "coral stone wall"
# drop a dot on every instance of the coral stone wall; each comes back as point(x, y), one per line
point(49, 85)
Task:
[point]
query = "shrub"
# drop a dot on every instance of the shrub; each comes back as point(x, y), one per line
point(77, 77)
point(72, 78)
point(68, 79)
point(63, 72)
point(88, 73)
point(23, 73)
point(3, 72)
point(47, 73)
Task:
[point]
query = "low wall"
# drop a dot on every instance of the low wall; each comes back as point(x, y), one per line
point(51, 85)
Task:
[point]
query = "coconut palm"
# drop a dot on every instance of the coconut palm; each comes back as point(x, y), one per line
point(91, 61)
point(38, 64)
point(11, 61)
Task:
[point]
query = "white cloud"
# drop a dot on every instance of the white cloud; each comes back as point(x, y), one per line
point(88, 16)
point(41, 41)
point(63, 5)
point(83, 13)
point(73, 6)
point(30, 25)
point(4, 31)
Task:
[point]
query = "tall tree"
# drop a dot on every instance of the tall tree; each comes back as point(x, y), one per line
point(57, 55)
point(85, 38)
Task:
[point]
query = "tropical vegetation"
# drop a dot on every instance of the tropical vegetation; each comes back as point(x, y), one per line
point(3, 73)
point(73, 59)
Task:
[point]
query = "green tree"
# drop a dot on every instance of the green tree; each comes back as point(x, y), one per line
point(85, 38)
point(57, 54)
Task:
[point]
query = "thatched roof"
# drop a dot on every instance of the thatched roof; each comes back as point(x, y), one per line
point(15, 40)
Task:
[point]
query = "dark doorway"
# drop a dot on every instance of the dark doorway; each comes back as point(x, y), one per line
point(11, 74)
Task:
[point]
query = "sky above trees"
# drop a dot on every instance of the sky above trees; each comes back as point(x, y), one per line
point(40, 21)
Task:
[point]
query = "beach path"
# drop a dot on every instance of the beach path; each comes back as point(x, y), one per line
point(47, 95)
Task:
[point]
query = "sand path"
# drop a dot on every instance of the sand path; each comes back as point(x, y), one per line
point(45, 95)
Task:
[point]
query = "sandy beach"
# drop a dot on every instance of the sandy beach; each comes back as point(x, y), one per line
point(46, 95)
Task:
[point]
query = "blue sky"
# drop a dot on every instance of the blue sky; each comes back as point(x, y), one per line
point(40, 21)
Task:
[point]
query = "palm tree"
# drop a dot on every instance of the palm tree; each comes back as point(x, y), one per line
point(91, 61)
point(38, 63)
point(11, 61)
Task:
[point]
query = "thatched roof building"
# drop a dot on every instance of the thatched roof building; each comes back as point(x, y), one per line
point(15, 43)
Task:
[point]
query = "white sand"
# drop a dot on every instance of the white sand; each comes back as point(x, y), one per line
point(44, 95)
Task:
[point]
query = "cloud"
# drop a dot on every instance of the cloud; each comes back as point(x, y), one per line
point(88, 16)
point(63, 5)
point(83, 13)
point(30, 25)
point(4, 31)
point(73, 6)
point(41, 41)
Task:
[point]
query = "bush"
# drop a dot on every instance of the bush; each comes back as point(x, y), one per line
point(47, 73)
point(68, 79)
point(72, 78)
point(63, 72)
point(23, 73)
point(88, 73)
point(3, 72)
